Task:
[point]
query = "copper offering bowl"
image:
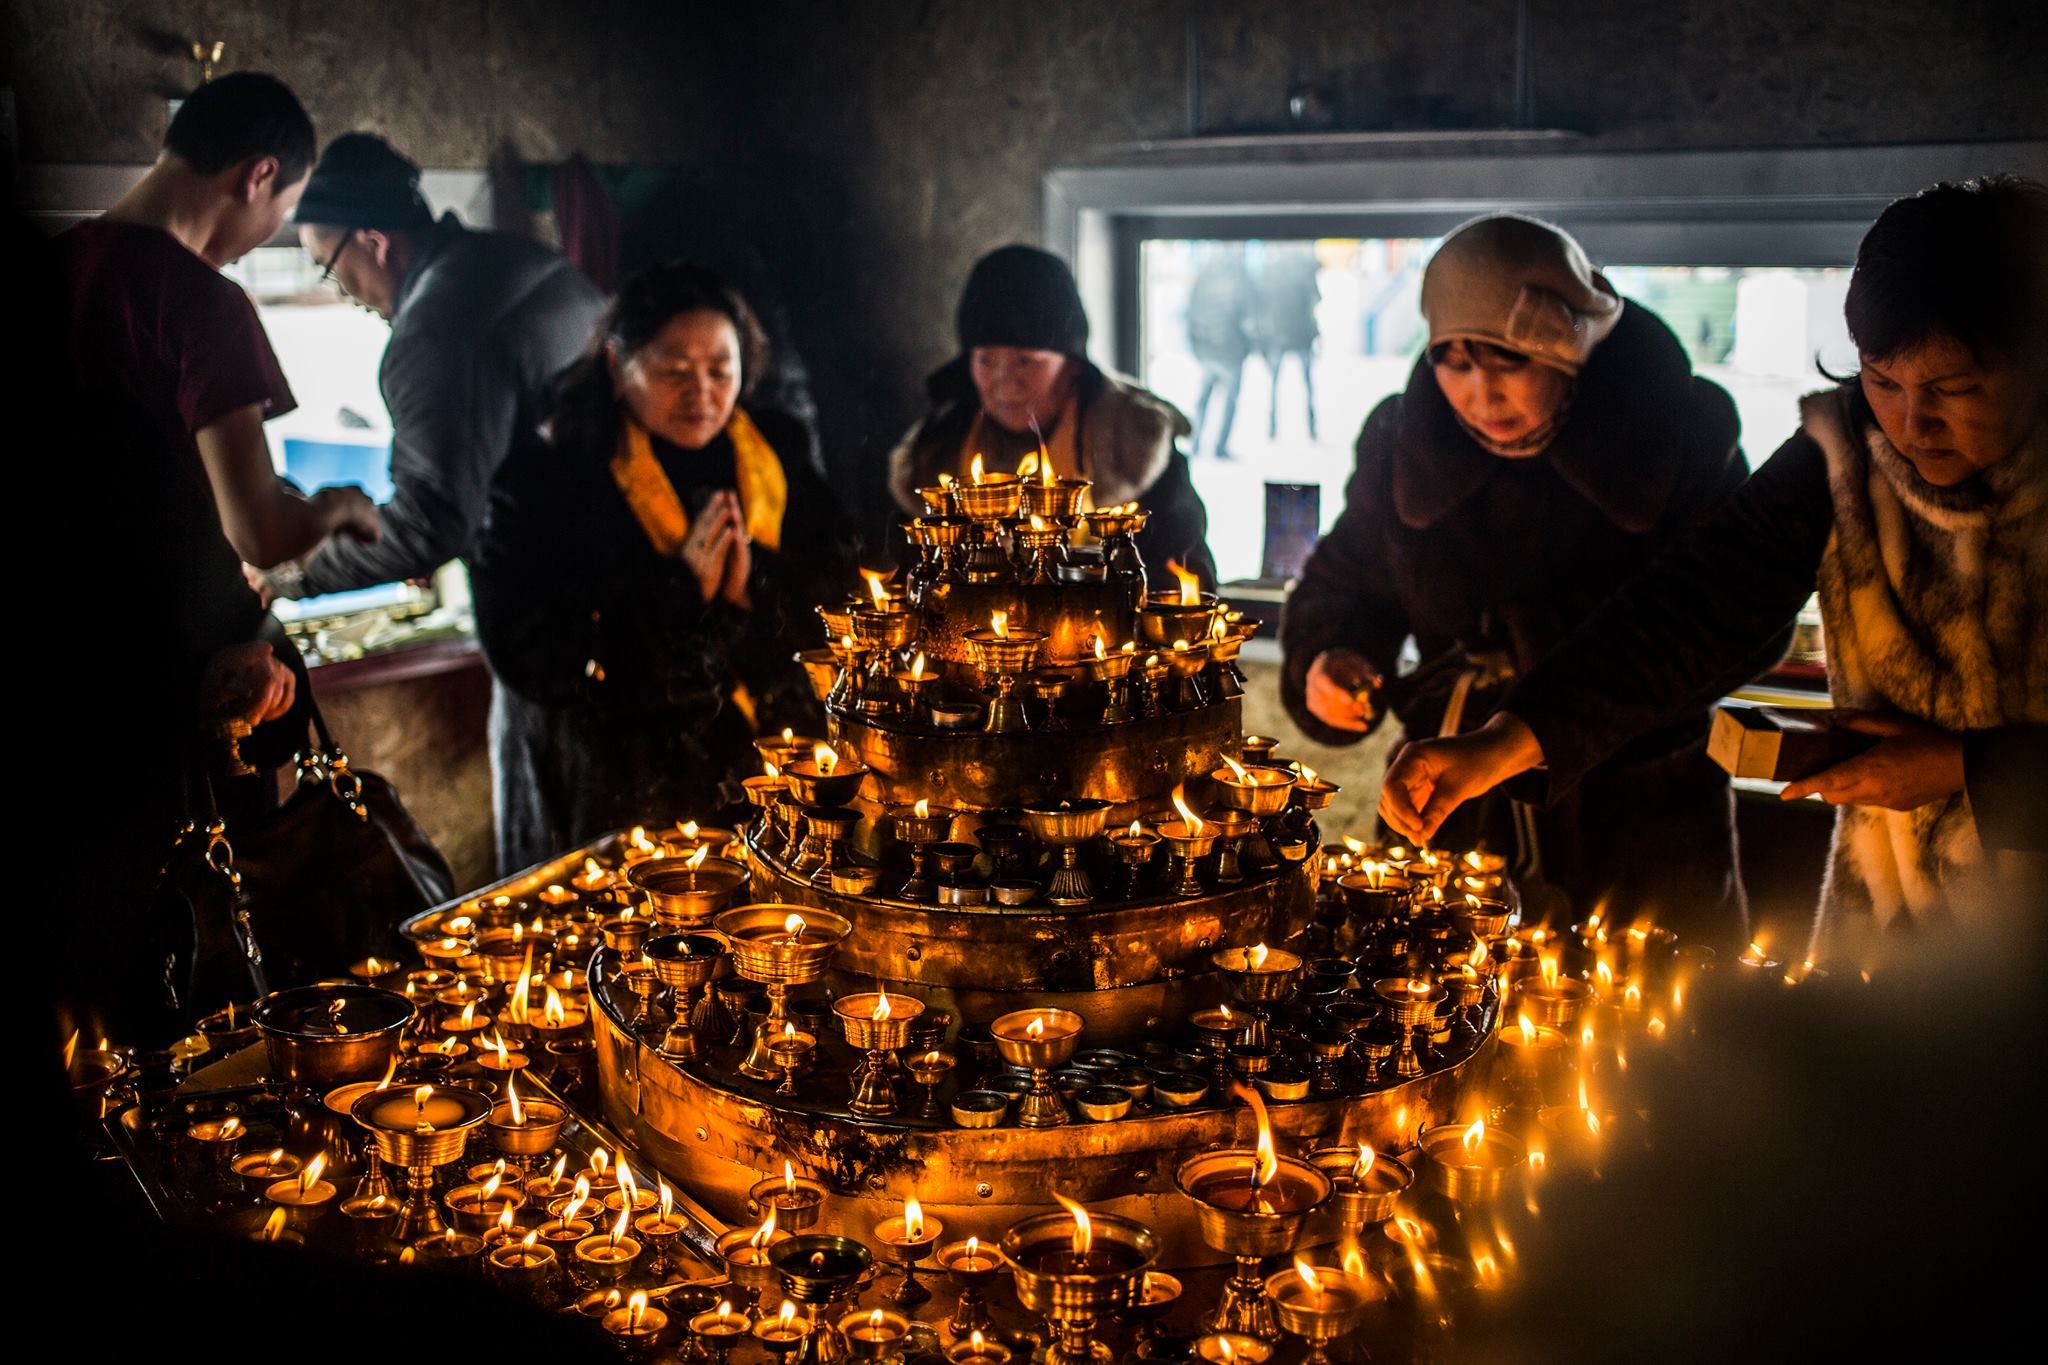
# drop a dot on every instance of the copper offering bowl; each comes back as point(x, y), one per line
point(998, 497)
point(763, 950)
point(1164, 618)
point(1296, 1191)
point(857, 1020)
point(1060, 498)
point(1106, 523)
point(411, 1148)
point(1053, 1282)
point(1064, 823)
point(821, 670)
point(1480, 916)
point(685, 897)
point(814, 788)
point(881, 629)
point(1265, 794)
point(324, 1036)
point(544, 1123)
point(937, 532)
point(1062, 1038)
point(1468, 1171)
point(1003, 654)
point(1371, 1201)
point(685, 962)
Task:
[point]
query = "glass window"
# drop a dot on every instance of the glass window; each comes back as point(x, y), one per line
point(1277, 349)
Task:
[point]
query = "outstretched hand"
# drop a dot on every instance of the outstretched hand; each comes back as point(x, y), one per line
point(1433, 777)
point(1913, 763)
point(1340, 688)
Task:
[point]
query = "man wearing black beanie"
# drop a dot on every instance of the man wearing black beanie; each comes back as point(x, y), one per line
point(481, 325)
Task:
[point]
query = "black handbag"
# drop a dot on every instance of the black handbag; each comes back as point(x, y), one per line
point(326, 878)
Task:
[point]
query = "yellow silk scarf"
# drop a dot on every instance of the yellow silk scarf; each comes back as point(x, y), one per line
point(763, 487)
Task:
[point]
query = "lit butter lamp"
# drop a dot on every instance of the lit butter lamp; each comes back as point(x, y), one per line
point(1367, 1184)
point(1041, 1040)
point(905, 1241)
point(783, 1334)
point(1321, 1303)
point(972, 1268)
point(605, 1258)
point(875, 1334)
point(1078, 1271)
point(421, 1129)
point(716, 1329)
point(635, 1327)
point(817, 1270)
point(1251, 1203)
point(779, 946)
point(1259, 790)
point(1001, 652)
point(304, 1197)
point(1188, 839)
point(1469, 1164)
point(879, 1024)
point(1552, 998)
point(745, 1252)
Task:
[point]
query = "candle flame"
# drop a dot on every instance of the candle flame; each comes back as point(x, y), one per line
point(1100, 651)
point(1528, 1027)
point(311, 1175)
point(999, 622)
point(770, 771)
point(1037, 522)
point(1084, 1231)
point(1354, 1262)
point(881, 1006)
point(1548, 967)
point(1366, 1158)
point(505, 1220)
point(923, 809)
point(824, 759)
point(1035, 1030)
point(724, 1309)
point(1308, 1275)
point(578, 1197)
point(1256, 955)
point(1193, 822)
point(1223, 1348)
point(913, 1220)
point(553, 1013)
point(71, 1047)
point(1474, 1138)
point(788, 1314)
point(273, 1226)
point(878, 588)
point(625, 1221)
point(491, 1187)
point(561, 1165)
point(793, 925)
point(1238, 771)
point(975, 469)
point(231, 1128)
point(764, 1234)
point(1137, 830)
point(1190, 584)
point(468, 1016)
point(945, 480)
point(600, 1162)
point(917, 666)
point(1308, 774)
point(636, 1309)
point(789, 1177)
point(696, 860)
point(668, 1199)
point(973, 1247)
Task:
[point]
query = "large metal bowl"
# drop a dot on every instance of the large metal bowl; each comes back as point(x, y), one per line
point(324, 1036)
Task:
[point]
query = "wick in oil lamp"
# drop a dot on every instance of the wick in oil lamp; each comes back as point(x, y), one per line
point(303, 1197)
point(783, 1334)
point(1135, 846)
point(372, 1219)
point(1321, 1303)
point(972, 1269)
point(716, 1329)
point(687, 890)
point(686, 964)
point(1001, 653)
point(1312, 791)
point(1260, 978)
point(377, 971)
point(635, 1327)
point(930, 1069)
point(795, 1200)
point(277, 1230)
point(745, 1252)
point(605, 1258)
point(1366, 1185)
point(1041, 1040)
point(920, 825)
point(817, 1271)
point(1409, 1004)
point(659, 1228)
point(1532, 1057)
point(497, 1060)
point(905, 1241)
point(1067, 825)
point(878, 1023)
point(1551, 998)
point(1181, 613)
point(1187, 839)
point(1078, 1271)
point(1250, 1203)
point(421, 1129)
point(779, 946)
point(1376, 891)
point(1470, 1164)
point(595, 882)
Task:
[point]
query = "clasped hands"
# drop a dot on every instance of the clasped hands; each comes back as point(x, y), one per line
point(717, 551)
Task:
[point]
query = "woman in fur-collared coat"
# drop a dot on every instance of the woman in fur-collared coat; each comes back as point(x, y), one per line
point(1023, 377)
point(1916, 497)
point(1549, 442)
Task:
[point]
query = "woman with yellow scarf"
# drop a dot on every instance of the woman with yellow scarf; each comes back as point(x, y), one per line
point(644, 579)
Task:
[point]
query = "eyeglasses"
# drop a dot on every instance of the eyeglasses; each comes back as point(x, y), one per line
point(327, 270)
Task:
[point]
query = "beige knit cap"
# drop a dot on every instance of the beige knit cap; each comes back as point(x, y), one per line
point(1519, 283)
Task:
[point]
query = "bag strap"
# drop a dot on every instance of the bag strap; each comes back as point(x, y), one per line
point(326, 761)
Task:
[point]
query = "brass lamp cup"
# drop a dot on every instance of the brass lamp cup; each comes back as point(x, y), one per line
point(1266, 794)
point(938, 499)
point(875, 629)
point(762, 951)
point(1403, 1007)
point(1080, 1296)
point(1557, 1006)
point(821, 670)
point(1480, 916)
point(1316, 795)
point(1250, 1233)
point(941, 532)
point(1060, 498)
point(750, 1274)
point(1373, 895)
point(1343, 1305)
point(1113, 666)
point(544, 1123)
point(999, 654)
point(1466, 1176)
point(1271, 981)
point(933, 827)
point(416, 1150)
point(320, 1037)
point(1066, 823)
point(687, 962)
point(783, 752)
point(688, 897)
point(998, 497)
point(1061, 1040)
point(1361, 1204)
point(838, 620)
point(836, 788)
point(810, 1281)
point(1164, 618)
point(1186, 663)
point(863, 1030)
point(1103, 525)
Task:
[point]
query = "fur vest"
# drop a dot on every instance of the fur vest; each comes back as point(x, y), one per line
point(1936, 606)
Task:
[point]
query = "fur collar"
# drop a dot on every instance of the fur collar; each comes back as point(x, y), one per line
point(1126, 440)
point(1620, 448)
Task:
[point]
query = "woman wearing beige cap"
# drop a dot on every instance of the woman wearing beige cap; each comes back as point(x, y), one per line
point(1550, 440)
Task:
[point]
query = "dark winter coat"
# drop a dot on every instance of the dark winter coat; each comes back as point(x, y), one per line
point(484, 324)
point(1462, 550)
point(614, 704)
point(1127, 444)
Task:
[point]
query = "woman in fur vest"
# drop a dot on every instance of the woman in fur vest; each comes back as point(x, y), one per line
point(1023, 377)
point(1550, 440)
point(1916, 496)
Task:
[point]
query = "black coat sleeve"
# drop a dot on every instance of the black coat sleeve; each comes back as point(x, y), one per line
point(1685, 630)
point(1343, 599)
point(2002, 771)
point(1178, 528)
